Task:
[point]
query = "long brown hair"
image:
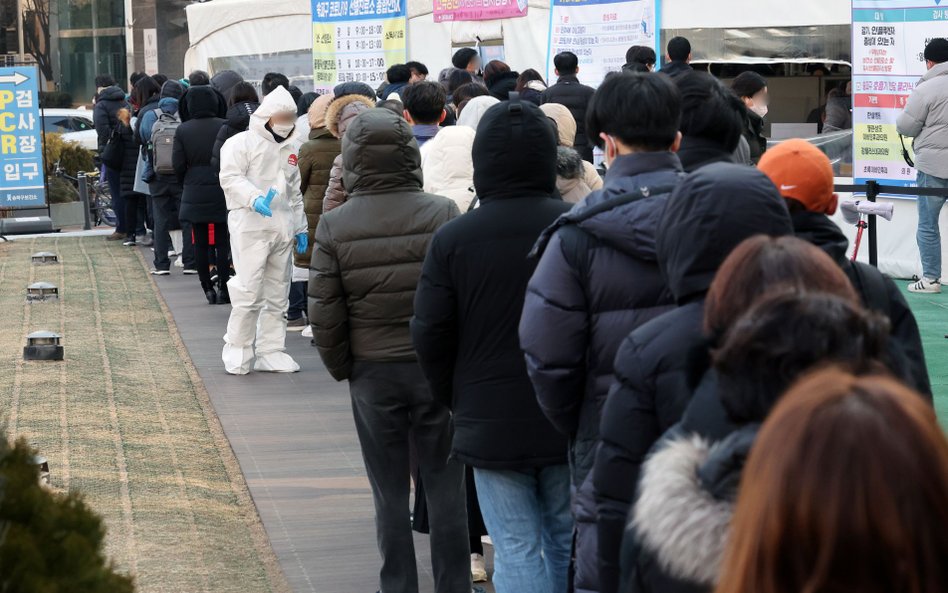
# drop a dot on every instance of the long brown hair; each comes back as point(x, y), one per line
point(845, 490)
point(765, 265)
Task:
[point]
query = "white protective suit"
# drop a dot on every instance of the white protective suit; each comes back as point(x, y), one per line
point(251, 163)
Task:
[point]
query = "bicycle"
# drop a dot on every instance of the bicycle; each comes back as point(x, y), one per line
point(100, 200)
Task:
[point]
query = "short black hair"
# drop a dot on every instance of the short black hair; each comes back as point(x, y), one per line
point(417, 67)
point(463, 57)
point(468, 91)
point(243, 92)
point(272, 80)
point(104, 80)
point(398, 73)
point(199, 78)
point(134, 77)
point(640, 54)
point(709, 110)
point(393, 105)
point(458, 78)
point(678, 49)
point(296, 93)
point(160, 78)
point(937, 50)
point(641, 110)
point(424, 101)
point(748, 84)
point(566, 63)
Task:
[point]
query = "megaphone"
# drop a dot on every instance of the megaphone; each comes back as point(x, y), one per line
point(851, 209)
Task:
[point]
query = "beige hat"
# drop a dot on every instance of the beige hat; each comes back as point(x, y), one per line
point(565, 123)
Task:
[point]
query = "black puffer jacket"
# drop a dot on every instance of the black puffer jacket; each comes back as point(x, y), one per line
point(596, 281)
point(105, 112)
point(471, 294)
point(202, 200)
point(659, 365)
point(878, 293)
point(238, 120)
point(502, 85)
point(568, 91)
point(754, 134)
point(697, 152)
point(370, 250)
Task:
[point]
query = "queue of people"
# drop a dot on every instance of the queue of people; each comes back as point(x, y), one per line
point(666, 379)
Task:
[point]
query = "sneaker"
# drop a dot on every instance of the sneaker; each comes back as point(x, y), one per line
point(214, 275)
point(478, 568)
point(926, 286)
point(296, 325)
point(116, 237)
point(307, 331)
point(160, 273)
point(190, 271)
point(146, 240)
point(129, 243)
point(178, 263)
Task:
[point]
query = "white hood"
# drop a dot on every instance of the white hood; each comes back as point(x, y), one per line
point(475, 110)
point(278, 101)
point(448, 166)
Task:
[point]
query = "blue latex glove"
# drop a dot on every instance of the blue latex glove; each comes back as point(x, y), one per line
point(261, 205)
point(302, 242)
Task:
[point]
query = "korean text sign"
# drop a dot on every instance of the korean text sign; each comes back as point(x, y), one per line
point(599, 32)
point(889, 39)
point(356, 40)
point(478, 10)
point(22, 178)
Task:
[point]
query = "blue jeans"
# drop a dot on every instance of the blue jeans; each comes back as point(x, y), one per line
point(928, 236)
point(297, 300)
point(528, 518)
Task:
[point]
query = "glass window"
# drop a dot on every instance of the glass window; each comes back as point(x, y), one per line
point(56, 124)
point(75, 14)
point(77, 65)
point(9, 35)
point(80, 124)
point(109, 13)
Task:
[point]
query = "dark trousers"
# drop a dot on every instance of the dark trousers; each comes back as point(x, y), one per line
point(135, 208)
point(297, 300)
point(165, 197)
point(114, 178)
point(391, 404)
point(202, 247)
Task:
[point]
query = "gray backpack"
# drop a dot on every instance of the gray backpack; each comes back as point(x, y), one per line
point(162, 142)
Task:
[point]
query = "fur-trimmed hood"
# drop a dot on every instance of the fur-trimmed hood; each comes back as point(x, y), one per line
point(686, 499)
point(343, 110)
point(569, 165)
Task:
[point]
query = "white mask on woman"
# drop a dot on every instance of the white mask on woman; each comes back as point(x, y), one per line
point(760, 110)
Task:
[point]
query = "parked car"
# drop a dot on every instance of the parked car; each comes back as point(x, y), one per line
point(74, 124)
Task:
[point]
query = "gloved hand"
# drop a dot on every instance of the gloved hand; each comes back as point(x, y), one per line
point(261, 205)
point(302, 242)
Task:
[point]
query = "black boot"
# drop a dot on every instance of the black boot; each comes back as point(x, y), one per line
point(223, 295)
point(209, 293)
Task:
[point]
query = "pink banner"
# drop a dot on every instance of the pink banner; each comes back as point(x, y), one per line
point(478, 10)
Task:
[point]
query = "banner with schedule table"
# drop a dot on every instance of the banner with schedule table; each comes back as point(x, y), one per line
point(22, 177)
point(356, 41)
point(599, 32)
point(889, 38)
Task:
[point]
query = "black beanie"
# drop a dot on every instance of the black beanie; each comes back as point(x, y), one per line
point(172, 89)
point(937, 50)
point(514, 151)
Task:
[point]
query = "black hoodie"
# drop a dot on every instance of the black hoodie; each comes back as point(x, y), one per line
point(659, 365)
point(105, 113)
point(202, 109)
point(238, 120)
point(471, 293)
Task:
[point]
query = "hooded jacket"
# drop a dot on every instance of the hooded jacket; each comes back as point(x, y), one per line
point(575, 96)
point(252, 162)
point(130, 150)
point(340, 113)
point(448, 165)
point(475, 110)
point(471, 294)
point(225, 81)
point(925, 118)
point(502, 84)
point(369, 252)
point(316, 157)
point(105, 113)
point(597, 280)
point(878, 293)
point(660, 364)
point(202, 201)
point(566, 127)
point(238, 120)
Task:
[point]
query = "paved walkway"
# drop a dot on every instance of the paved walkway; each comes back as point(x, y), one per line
point(296, 443)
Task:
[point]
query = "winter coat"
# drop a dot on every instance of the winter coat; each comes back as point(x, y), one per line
point(566, 128)
point(105, 113)
point(448, 166)
point(878, 293)
point(674, 69)
point(471, 294)
point(533, 91)
point(396, 88)
point(339, 115)
point(202, 200)
point(130, 150)
point(925, 118)
point(238, 120)
point(595, 282)
point(143, 129)
point(369, 252)
point(660, 364)
point(316, 157)
point(575, 96)
point(698, 152)
point(501, 85)
point(475, 110)
point(571, 175)
point(225, 81)
point(754, 134)
point(252, 163)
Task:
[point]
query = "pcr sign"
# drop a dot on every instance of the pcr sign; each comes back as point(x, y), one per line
point(22, 177)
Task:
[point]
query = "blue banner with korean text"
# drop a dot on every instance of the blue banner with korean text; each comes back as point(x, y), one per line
point(22, 177)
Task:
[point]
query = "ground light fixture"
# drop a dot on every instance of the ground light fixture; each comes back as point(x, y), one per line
point(45, 257)
point(43, 345)
point(41, 291)
point(43, 465)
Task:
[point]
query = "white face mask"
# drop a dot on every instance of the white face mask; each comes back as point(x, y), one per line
point(760, 110)
point(283, 130)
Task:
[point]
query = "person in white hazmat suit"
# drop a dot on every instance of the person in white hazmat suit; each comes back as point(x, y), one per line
point(261, 181)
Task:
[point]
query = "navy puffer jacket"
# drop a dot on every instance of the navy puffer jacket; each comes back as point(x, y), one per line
point(597, 280)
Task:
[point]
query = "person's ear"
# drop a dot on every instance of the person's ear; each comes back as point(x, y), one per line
point(444, 114)
point(407, 117)
point(577, 69)
point(833, 205)
point(688, 61)
point(676, 145)
point(668, 57)
point(555, 71)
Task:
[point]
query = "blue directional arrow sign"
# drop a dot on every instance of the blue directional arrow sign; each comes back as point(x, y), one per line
point(22, 177)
